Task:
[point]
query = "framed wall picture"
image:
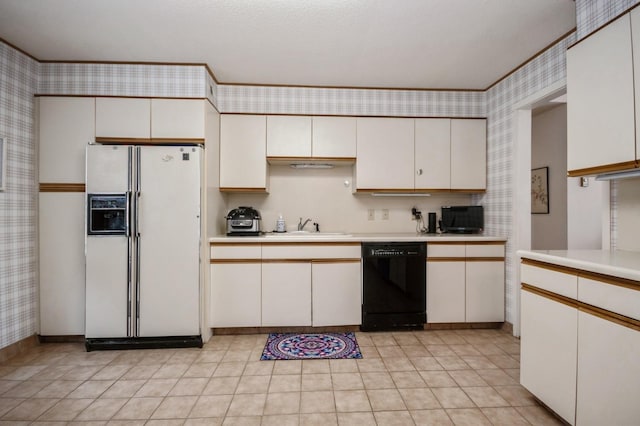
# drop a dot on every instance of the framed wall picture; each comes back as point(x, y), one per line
point(3, 164)
point(540, 190)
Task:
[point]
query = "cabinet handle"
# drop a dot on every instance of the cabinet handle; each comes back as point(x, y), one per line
point(419, 172)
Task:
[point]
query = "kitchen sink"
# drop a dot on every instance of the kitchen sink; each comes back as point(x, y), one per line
point(307, 234)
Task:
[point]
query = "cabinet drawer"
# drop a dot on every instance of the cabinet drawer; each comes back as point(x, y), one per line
point(550, 280)
point(614, 298)
point(445, 250)
point(236, 252)
point(485, 250)
point(311, 251)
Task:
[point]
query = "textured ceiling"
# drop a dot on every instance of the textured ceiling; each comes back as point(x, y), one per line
point(458, 44)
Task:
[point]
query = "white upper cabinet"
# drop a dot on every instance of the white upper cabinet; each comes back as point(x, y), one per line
point(469, 154)
point(433, 153)
point(177, 118)
point(288, 136)
point(66, 126)
point(600, 100)
point(385, 153)
point(123, 118)
point(243, 164)
point(334, 137)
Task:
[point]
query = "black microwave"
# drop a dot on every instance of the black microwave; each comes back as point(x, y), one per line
point(462, 219)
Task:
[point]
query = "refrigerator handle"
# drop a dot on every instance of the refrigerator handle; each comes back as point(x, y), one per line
point(138, 195)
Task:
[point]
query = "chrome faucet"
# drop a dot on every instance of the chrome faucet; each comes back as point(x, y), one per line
point(301, 225)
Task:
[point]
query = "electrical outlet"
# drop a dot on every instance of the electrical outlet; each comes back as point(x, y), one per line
point(371, 214)
point(385, 214)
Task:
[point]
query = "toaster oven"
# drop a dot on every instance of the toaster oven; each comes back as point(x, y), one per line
point(243, 221)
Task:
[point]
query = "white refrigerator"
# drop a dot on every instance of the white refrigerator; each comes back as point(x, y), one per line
point(143, 246)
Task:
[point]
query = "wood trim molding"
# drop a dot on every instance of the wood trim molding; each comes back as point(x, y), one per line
point(234, 243)
point(62, 187)
point(540, 52)
point(485, 259)
point(590, 309)
point(336, 260)
point(234, 261)
point(465, 259)
point(549, 295)
point(350, 115)
point(580, 273)
point(607, 168)
point(149, 141)
point(610, 316)
point(468, 243)
point(604, 25)
point(246, 190)
point(331, 160)
point(312, 243)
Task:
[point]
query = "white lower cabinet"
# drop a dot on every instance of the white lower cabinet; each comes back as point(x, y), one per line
point(445, 291)
point(608, 372)
point(484, 291)
point(336, 293)
point(548, 348)
point(235, 295)
point(62, 271)
point(286, 294)
point(465, 282)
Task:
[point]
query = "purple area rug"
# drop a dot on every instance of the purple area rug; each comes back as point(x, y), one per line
point(311, 346)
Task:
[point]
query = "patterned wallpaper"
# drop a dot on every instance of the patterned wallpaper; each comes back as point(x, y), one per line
point(306, 100)
point(18, 288)
point(592, 14)
point(542, 72)
point(122, 80)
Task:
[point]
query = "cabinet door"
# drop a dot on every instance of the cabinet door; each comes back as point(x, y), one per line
point(288, 136)
point(384, 153)
point(433, 153)
point(286, 294)
point(548, 352)
point(608, 372)
point(334, 137)
point(445, 291)
point(600, 98)
point(485, 291)
point(336, 293)
point(469, 154)
point(243, 163)
point(62, 270)
point(177, 118)
point(123, 118)
point(66, 126)
point(235, 299)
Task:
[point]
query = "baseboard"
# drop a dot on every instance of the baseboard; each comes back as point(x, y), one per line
point(266, 330)
point(62, 339)
point(507, 327)
point(463, 325)
point(18, 348)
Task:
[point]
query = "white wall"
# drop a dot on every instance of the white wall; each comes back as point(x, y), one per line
point(321, 194)
point(628, 214)
point(549, 149)
point(587, 215)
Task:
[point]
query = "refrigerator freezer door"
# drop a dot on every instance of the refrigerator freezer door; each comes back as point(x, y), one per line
point(106, 287)
point(107, 257)
point(169, 240)
point(108, 168)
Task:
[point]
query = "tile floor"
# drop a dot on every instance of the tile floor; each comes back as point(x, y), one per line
point(461, 377)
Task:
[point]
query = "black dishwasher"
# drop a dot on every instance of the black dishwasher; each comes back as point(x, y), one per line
point(394, 286)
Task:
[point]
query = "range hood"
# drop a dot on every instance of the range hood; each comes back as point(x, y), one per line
point(626, 174)
point(311, 162)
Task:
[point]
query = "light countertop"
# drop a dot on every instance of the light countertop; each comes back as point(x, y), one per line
point(617, 263)
point(387, 237)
